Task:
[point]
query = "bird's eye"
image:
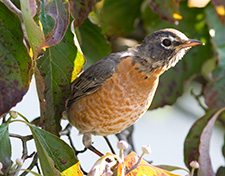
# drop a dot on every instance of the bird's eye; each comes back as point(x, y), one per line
point(166, 42)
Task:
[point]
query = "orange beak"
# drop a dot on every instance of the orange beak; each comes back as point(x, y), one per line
point(191, 42)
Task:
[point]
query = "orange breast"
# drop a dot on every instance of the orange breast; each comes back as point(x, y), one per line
point(118, 103)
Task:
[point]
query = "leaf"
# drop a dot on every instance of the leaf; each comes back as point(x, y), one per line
point(220, 9)
point(14, 61)
point(171, 168)
point(220, 171)
point(197, 142)
point(40, 90)
point(93, 44)
point(223, 148)
point(47, 164)
point(114, 16)
point(172, 82)
point(30, 171)
point(214, 92)
point(78, 65)
point(144, 168)
point(167, 10)
point(56, 67)
point(80, 10)
point(73, 170)
point(59, 11)
point(55, 148)
point(34, 33)
point(5, 148)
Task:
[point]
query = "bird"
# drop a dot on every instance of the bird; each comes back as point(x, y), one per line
point(113, 93)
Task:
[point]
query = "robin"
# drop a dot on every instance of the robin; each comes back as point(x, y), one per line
point(117, 90)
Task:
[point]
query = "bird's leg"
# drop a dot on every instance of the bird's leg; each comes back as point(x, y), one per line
point(87, 141)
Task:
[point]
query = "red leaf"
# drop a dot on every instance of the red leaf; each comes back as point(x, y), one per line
point(14, 61)
point(59, 10)
point(197, 142)
point(80, 10)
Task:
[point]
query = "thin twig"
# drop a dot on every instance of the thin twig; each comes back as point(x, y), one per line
point(24, 140)
point(24, 156)
point(109, 144)
point(32, 164)
point(197, 97)
point(67, 131)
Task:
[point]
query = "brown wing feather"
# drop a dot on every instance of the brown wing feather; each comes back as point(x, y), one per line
point(92, 78)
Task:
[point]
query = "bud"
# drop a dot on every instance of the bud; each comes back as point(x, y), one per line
point(194, 164)
point(13, 114)
point(122, 145)
point(19, 161)
point(108, 173)
point(146, 149)
point(1, 166)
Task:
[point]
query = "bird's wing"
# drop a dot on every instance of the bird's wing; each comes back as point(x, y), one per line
point(92, 78)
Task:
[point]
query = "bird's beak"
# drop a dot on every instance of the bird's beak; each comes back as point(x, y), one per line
point(190, 43)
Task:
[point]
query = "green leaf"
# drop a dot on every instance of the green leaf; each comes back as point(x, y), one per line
point(93, 43)
point(56, 67)
point(117, 17)
point(171, 168)
point(14, 61)
point(172, 82)
point(214, 92)
point(34, 33)
point(47, 164)
point(59, 11)
point(165, 9)
point(5, 148)
point(60, 152)
point(197, 142)
point(80, 10)
point(220, 171)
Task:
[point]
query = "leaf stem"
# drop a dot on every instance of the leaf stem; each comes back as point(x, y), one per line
point(197, 97)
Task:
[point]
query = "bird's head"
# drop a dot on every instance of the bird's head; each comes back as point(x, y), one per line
point(164, 48)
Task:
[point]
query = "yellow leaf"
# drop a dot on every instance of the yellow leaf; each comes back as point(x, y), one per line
point(78, 65)
point(220, 10)
point(177, 16)
point(73, 170)
point(144, 168)
point(31, 53)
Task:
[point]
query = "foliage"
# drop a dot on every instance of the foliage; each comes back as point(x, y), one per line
point(50, 41)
